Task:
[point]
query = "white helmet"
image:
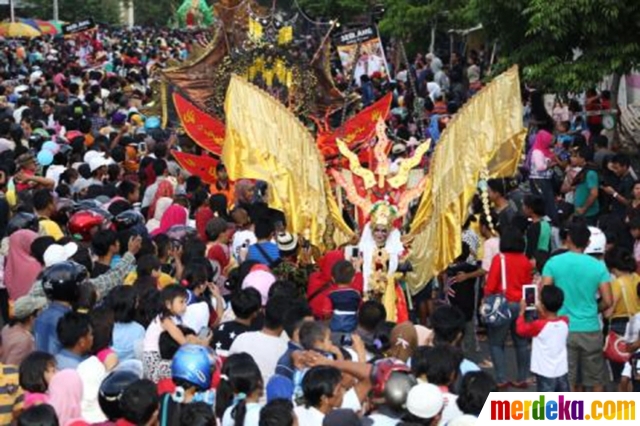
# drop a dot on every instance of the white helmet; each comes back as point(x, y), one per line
point(597, 241)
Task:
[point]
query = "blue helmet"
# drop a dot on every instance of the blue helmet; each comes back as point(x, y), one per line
point(194, 364)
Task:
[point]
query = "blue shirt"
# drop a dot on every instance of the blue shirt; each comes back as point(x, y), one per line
point(269, 248)
point(44, 328)
point(125, 337)
point(285, 365)
point(67, 359)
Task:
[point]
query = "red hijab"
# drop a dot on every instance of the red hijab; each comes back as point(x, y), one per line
point(543, 142)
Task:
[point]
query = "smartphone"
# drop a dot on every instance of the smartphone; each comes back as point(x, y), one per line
point(176, 244)
point(346, 340)
point(355, 252)
point(279, 226)
point(142, 148)
point(530, 296)
point(204, 333)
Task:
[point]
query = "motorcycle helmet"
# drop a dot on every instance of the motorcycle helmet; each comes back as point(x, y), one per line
point(113, 386)
point(391, 380)
point(82, 223)
point(62, 280)
point(193, 364)
point(597, 242)
point(23, 220)
point(128, 219)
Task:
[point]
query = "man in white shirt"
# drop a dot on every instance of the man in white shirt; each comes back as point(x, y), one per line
point(265, 346)
point(323, 392)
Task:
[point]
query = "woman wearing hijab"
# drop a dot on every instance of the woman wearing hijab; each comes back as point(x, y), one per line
point(541, 178)
point(21, 269)
point(65, 396)
point(175, 215)
point(165, 190)
point(161, 207)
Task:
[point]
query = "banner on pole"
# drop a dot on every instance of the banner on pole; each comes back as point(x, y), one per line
point(371, 59)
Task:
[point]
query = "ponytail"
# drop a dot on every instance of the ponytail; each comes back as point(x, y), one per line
point(224, 396)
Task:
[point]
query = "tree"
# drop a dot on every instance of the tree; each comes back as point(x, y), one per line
point(155, 12)
point(565, 45)
point(345, 11)
point(104, 11)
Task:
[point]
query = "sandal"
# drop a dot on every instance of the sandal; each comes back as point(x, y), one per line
point(520, 385)
point(503, 386)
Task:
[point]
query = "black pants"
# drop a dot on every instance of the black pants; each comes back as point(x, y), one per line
point(4, 305)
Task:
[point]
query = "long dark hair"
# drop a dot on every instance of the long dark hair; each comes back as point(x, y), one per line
point(240, 374)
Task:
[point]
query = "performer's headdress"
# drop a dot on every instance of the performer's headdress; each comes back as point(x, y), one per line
point(382, 172)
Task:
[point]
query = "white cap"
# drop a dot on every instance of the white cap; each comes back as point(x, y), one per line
point(96, 161)
point(597, 241)
point(57, 253)
point(425, 401)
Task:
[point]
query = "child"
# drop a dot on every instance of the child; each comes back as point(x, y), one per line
point(440, 366)
point(128, 335)
point(239, 391)
point(76, 337)
point(246, 306)
point(173, 299)
point(549, 348)
point(538, 235)
point(191, 370)
point(36, 372)
point(345, 300)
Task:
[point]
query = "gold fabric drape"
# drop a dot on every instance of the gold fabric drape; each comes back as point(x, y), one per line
point(486, 132)
point(265, 141)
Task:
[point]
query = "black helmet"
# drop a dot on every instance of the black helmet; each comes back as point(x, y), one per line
point(114, 385)
point(391, 380)
point(23, 220)
point(128, 219)
point(62, 281)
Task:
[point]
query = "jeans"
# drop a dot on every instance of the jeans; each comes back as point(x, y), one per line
point(544, 188)
point(497, 339)
point(552, 384)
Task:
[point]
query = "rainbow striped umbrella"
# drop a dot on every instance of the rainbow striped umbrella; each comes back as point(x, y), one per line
point(57, 24)
point(18, 30)
point(47, 27)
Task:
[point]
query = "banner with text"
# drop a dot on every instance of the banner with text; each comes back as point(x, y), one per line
point(371, 59)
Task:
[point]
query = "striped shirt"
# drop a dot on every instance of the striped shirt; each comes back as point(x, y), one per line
point(11, 395)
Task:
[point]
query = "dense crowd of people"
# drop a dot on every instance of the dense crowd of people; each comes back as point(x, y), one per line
point(131, 293)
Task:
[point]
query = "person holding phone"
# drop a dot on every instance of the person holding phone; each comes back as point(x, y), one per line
point(549, 359)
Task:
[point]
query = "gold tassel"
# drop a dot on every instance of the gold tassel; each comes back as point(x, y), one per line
point(163, 100)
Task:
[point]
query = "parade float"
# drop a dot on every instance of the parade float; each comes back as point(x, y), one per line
point(243, 103)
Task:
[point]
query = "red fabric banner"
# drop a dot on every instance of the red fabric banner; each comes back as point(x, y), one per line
point(355, 131)
point(198, 165)
point(205, 130)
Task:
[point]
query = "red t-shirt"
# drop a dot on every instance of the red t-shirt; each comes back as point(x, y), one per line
point(519, 272)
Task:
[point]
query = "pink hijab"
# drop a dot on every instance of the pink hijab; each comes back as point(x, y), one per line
point(175, 215)
point(65, 396)
point(21, 269)
point(543, 143)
